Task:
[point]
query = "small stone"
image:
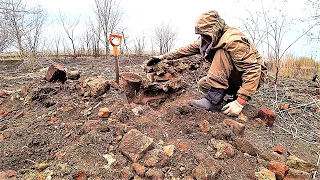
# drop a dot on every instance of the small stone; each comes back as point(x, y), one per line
point(134, 144)
point(126, 173)
point(3, 94)
point(139, 169)
point(222, 134)
point(278, 149)
point(265, 174)
point(207, 169)
point(238, 128)
point(243, 117)
point(279, 168)
point(155, 157)
point(110, 159)
point(96, 86)
point(137, 111)
point(263, 163)
point(182, 168)
point(267, 116)
point(3, 113)
point(11, 173)
point(155, 174)
point(299, 164)
point(204, 126)
point(169, 150)
point(224, 150)
point(73, 75)
point(104, 112)
point(294, 174)
point(245, 146)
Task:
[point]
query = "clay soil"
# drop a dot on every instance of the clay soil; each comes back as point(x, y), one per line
point(50, 129)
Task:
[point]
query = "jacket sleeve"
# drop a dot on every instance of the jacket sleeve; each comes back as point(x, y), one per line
point(246, 61)
point(189, 50)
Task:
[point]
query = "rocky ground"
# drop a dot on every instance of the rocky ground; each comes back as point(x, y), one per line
point(88, 127)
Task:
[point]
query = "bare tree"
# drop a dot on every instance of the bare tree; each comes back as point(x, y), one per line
point(95, 39)
point(5, 36)
point(165, 37)
point(69, 28)
point(24, 24)
point(270, 29)
point(109, 14)
point(33, 34)
point(139, 44)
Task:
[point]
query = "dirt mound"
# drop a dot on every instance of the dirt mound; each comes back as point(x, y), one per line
point(53, 130)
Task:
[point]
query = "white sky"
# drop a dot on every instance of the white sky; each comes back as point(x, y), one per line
point(141, 16)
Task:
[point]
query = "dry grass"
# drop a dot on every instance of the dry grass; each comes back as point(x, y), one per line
point(302, 68)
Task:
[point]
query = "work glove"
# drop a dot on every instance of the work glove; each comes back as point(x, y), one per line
point(233, 108)
point(154, 60)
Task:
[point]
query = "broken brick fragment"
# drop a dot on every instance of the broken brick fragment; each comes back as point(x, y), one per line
point(134, 145)
point(237, 128)
point(104, 112)
point(278, 149)
point(56, 72)
point(279, 168)
point(267, 116)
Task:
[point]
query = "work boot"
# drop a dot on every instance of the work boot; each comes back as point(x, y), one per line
point(211, 101)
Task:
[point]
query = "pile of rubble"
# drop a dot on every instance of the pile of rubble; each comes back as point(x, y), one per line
point(167, 74)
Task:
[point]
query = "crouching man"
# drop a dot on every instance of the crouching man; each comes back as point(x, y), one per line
point(237, 68)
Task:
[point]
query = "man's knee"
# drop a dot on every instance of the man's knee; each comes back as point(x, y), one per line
point(203, 85)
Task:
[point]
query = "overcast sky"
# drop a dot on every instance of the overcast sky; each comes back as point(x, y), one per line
point(141, 16)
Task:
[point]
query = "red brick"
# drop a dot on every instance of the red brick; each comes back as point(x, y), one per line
point(56, 72)
point(238, 128)
point(11, 173)
point(278, 149)
point(3, 113)
point(139, 169)
point(104, 113)
point(134, 144)
point(3, 94)
point(183, 146)
point(279, 168)
point(267, 116)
